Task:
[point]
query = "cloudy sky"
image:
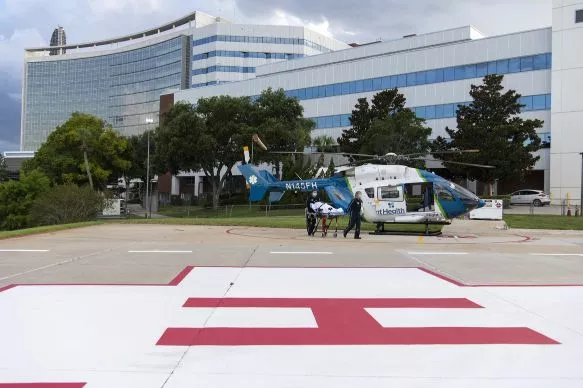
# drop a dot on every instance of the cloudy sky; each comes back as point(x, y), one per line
point(27, 23)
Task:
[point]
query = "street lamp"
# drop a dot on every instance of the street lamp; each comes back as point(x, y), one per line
point(148, 199)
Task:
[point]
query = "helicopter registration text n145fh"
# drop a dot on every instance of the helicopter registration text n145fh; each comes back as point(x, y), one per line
point(390, 193)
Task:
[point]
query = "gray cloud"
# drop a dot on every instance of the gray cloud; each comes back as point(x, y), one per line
point(26, 23)
point(9, 114)
point(392, 19)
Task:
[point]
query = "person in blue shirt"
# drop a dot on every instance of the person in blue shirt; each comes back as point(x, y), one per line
point(354, 210)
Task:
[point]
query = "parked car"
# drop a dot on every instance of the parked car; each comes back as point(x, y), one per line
point(526, 197)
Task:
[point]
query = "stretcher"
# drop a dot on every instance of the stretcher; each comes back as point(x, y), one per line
point(324, 214)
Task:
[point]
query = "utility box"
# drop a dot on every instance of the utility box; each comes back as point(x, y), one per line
point(114, 210)
point(492, 210)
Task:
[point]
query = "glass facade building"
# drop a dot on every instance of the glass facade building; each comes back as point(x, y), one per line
point(121, 79)
point(123, 88)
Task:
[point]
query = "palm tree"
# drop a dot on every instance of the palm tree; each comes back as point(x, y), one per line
point(324, 144)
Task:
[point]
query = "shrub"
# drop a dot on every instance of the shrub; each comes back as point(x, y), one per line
point(16, 199)
point(68, 203)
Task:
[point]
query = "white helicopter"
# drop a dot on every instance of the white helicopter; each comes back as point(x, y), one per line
point(390, 193)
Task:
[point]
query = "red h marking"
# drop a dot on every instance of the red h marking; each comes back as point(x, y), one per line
point(346, 322)
point(42, 385)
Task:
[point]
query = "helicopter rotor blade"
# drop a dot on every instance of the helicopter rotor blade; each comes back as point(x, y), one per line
point(326, 153)
point(443, 153)
point(458, 163)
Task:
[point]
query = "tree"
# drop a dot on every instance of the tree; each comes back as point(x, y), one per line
point(3, 169)
point(279, 122)
point(62, 156)
point(351, 139)
point(16, 198)
point(208, 136)
point(138, 151)
point(490, 124)
point(324, 144)
point(401, 133)
point(331, 169)
point(385, 126)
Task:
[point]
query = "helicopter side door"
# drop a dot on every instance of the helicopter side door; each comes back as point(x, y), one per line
point(419, 197)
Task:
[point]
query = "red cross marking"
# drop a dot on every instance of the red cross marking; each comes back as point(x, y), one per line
point(346, 322)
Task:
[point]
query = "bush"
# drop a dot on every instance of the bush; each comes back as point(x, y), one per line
point(16, 199)
point(67, 204)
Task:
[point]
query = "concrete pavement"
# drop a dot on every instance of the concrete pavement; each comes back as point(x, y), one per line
point(162, 306)
point(116, 253)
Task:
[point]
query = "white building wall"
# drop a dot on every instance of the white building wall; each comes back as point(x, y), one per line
point(527, 84)
point(398, 45)
point(444, 49)
point(466, 52)
point(567, 103)
point(247, 30)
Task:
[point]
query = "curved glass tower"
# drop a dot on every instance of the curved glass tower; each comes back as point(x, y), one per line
point(120, 80)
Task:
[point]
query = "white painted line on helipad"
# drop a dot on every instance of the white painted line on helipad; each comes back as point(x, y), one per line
point(438, 253)
point(301, 253)
point(24, 250)
point(557, 254)
point(159, 251)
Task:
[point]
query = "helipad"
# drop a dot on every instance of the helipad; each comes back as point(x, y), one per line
point(402, 323)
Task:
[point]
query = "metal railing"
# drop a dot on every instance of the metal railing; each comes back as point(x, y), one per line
point(233, 210)
point(571, 207)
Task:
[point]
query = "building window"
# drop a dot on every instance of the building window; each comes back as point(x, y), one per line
point(579, 16)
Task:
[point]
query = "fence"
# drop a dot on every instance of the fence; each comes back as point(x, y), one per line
point(234, 211)
point(571, 207)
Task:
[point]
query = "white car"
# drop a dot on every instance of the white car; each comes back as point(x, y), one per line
point(526, 197)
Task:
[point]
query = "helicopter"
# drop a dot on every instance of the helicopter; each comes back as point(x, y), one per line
point(391, 193)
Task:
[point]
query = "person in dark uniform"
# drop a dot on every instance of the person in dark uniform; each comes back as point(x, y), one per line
point(311, 213)
point(354, 210)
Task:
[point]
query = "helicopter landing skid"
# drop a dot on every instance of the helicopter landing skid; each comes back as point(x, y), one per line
point(380, 230)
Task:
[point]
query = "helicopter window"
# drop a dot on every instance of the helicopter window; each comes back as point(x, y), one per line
point(390, 193)
point(445, 195)
point(369, 192)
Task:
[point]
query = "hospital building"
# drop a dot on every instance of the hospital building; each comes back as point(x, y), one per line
point(129, 81)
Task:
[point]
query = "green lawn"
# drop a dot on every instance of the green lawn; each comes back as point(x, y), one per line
point(543, 222)
point(44, 229)
point(291, 222)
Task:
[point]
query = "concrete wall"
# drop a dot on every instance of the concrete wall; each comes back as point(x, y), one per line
point(567, 101)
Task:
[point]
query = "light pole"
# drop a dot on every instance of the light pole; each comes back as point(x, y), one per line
point(148, 193)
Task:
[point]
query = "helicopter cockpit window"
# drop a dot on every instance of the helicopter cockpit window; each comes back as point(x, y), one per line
point(390, 193)
point(369, 192)
point(445, 195)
